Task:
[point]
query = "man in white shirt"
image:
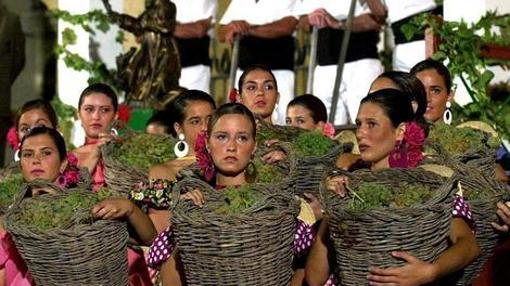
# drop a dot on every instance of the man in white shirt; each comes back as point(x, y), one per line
point(362, 64)
point(266, 28)
point(193, 35)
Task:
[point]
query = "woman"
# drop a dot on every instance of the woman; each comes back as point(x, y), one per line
point(43, 156)
point(308, 112)
point(190, 113)
point(258, 91)
point(438, 85)
point(158, 123)
point(97, 109)
point(383, 120)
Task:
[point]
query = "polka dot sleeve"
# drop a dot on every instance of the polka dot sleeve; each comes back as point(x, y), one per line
point(303, 238)
point(161, 248)
point(462, 210)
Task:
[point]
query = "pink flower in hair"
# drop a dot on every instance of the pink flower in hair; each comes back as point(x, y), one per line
point(409, 152)
point(12, 138)
point(232, 95)
point(204, 159)
point(124, 113)
point(328, 130)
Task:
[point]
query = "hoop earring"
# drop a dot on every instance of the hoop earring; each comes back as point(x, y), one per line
point(181, 148)
point(17, 155)
point(447, 115)
point(251, 172)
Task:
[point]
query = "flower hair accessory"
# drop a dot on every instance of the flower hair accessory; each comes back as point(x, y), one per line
point(12, 138)
point(124, 113)
point(328, 130)
point(232, 95)
point(204, 160)
point(408, 153)
point(156, 193)
point(71, 175)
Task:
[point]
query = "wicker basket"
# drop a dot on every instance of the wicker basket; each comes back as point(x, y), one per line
point(308, 172)
point(252, 248)
point(120, 177)
point(484, 212)
point(83, 254)
point(366, 238)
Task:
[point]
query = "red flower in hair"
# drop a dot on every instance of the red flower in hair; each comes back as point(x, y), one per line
point(124, 113)
point(71, 175)
point(328, 130)
point(232, 95)
point(12, 138)
point(409, 152)
point(204, 159)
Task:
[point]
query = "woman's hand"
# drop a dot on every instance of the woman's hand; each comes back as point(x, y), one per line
point(503, 212)
point(415, 272)
point(194, 195)
point(274, 156)
point(113, 208)
point(337, 185)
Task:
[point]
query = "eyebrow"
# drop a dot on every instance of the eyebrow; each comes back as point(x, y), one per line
point(266, 81)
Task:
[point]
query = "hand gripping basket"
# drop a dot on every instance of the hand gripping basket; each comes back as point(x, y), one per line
point(121, 177)
point(82, 254)
point(250, 248)
point(484, 212)
point(366, 238)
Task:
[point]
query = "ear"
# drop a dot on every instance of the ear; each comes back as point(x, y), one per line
point(116, 117)
point(178, 128)
point(63, 166)
point(320, 125)
point(400, 131)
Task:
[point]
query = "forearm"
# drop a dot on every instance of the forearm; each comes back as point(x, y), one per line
point(364, 23)
point(280, 28)
point(378, 9)
point(89, 162)
point(317, 265)
point(143, 225)
point(464, 249)
point(191, 30)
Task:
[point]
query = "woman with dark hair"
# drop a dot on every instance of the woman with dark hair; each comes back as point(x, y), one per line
point(158, 123)
point(438, 85)
point(97, 109)
point(33, 113)
point(384, 121)
point(307, 111)
point(410, 85)
point(44, 157)
point(189, 114)
point(258, 91)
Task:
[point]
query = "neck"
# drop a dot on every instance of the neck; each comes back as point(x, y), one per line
point(90, 140)
point(381, 164)
point(268, 119)
point(225, 180)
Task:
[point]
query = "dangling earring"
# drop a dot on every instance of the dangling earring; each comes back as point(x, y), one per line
point(181, 148)
point(251, 172)
point(274, 115)
point(447, 115)
point(17, 155)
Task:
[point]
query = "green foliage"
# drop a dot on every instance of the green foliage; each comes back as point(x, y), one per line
point(143, 150)
point(313, 143)
point(267, 173)
point(60, 213)
point(459, 140)
point(97, 68)
point(238, 200)
point(462, 44)
point(373, 195)
point(9, 187)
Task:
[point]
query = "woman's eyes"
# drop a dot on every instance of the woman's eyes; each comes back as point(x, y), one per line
point(436, 90)
point(105, 110)
point(27, 154)
point(242, 138)
point(46, 153)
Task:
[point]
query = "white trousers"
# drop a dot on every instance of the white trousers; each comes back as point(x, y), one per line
point(405, 56)
point(356, 80)
point(285, 82)
point(196, 77)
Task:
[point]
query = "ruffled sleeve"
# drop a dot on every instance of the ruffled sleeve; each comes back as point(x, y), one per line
point(461, 209)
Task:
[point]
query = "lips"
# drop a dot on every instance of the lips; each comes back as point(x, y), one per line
point(230, 159)
point(260, 103)
point(37, 172)
point(96, 126)
point(363, 147)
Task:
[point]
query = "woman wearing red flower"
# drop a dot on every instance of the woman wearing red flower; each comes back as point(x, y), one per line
point(389, 137)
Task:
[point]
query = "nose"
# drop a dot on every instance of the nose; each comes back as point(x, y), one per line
point(360, 132)
point(203, 125)
point(232, 145)
point(96, 114)
point(36, 160)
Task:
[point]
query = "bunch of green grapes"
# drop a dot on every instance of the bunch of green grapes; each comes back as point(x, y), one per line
point(312, 143)
point(237, 200)
point(459, 140)
point(9, 187)
point(143, 151)
point(60, 213)
point(374, 195)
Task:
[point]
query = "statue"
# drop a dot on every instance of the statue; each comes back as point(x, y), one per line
point(150, 73)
